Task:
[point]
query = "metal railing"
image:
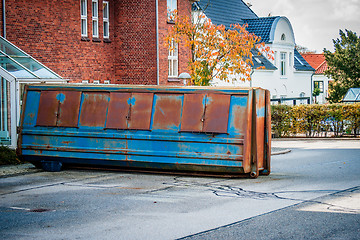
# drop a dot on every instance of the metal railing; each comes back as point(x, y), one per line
point(283, 100)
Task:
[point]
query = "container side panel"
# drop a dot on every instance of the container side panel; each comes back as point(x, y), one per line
point(118, 110)
point(48, 108)
point(167, 112)
point(69, 109)
point(145, 148)
point(31, 108)
point(217, 113)
point(260, 126)
point(248, 121)
point(193, 112)
point(93, 109)
point(140, 115)
point(238, 115)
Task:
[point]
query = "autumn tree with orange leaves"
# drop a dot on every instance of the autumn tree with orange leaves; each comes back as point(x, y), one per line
point(216, 52)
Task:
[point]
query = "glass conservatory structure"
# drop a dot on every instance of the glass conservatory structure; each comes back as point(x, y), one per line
point(17, 68)
point(352, 95)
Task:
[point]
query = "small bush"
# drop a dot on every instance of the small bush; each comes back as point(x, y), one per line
point(316, 120)
point(8, 156)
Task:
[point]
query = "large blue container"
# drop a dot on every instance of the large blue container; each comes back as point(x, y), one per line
point(193, 129)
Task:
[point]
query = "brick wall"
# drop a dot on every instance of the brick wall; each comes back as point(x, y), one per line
point(50, 31)
point(136, 42)
point(184, 7)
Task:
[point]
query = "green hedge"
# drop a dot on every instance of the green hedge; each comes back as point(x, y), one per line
point(316, 120)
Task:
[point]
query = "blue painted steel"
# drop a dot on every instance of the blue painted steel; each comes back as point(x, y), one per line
point(163, 145)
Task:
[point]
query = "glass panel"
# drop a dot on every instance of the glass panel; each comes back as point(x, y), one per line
point(106, 29)
point(35, 67)
point(95, 28)
point(175, 73)
point(94, 9)
point(105, 10)
point(9, 49)
point(83, 7)
point(4, 112)
point(14, 68)
point(83, 27)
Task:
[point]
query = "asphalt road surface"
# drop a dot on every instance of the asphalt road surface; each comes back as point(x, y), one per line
point(313, 192)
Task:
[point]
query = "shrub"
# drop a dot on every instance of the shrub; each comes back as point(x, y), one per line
point(8, 156)
point(316, 119)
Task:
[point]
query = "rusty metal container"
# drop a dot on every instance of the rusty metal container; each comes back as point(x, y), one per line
point(189, 129)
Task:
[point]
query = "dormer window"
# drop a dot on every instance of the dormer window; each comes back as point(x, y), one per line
point(283, 38)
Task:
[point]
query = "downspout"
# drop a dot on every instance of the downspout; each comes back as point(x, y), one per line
point(157, 43)
point(311, 89)
point(3, 19)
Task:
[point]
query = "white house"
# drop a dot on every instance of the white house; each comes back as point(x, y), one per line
point(289, 75)
point(319, 80)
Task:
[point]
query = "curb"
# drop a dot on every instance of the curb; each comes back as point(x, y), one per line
point(280, 152)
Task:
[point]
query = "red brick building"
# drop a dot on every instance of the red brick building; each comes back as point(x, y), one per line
point(116, 41)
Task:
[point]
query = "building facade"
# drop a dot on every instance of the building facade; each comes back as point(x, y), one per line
point(319, 79)
point(98, 41)
point(288, 76)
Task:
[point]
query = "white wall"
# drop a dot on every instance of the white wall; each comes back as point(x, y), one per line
point(291, 85)
point(322, 97)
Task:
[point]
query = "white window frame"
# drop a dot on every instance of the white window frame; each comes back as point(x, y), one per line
point(173, 60)
point(106, 23)
point(290, 59)
point(275, 58)
point(171, 6)
point(95, 18)
point(83, 15)
point(283, 63)
point(320, 85)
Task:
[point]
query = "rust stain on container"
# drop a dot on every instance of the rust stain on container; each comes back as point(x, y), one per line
point(118, 110)
point(217, 113)
point(239, 115)
point(48, 109)
point(140, 114)
point(167, 111)
point(69, 109)
point(93, 109)
point(193, 112)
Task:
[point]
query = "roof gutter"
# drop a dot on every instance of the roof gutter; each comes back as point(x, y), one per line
point(3, 19)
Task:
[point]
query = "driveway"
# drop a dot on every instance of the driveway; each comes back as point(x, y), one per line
point(317, 176)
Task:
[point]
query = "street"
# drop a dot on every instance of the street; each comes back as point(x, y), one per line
point(313, 192)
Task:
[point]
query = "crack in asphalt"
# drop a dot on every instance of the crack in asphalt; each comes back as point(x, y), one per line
point(237, 192)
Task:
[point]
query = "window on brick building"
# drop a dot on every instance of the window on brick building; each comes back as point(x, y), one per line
point(83, 13)
point(106, 18)
point(171, 8)
point(95, 18)
point(173, 60)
